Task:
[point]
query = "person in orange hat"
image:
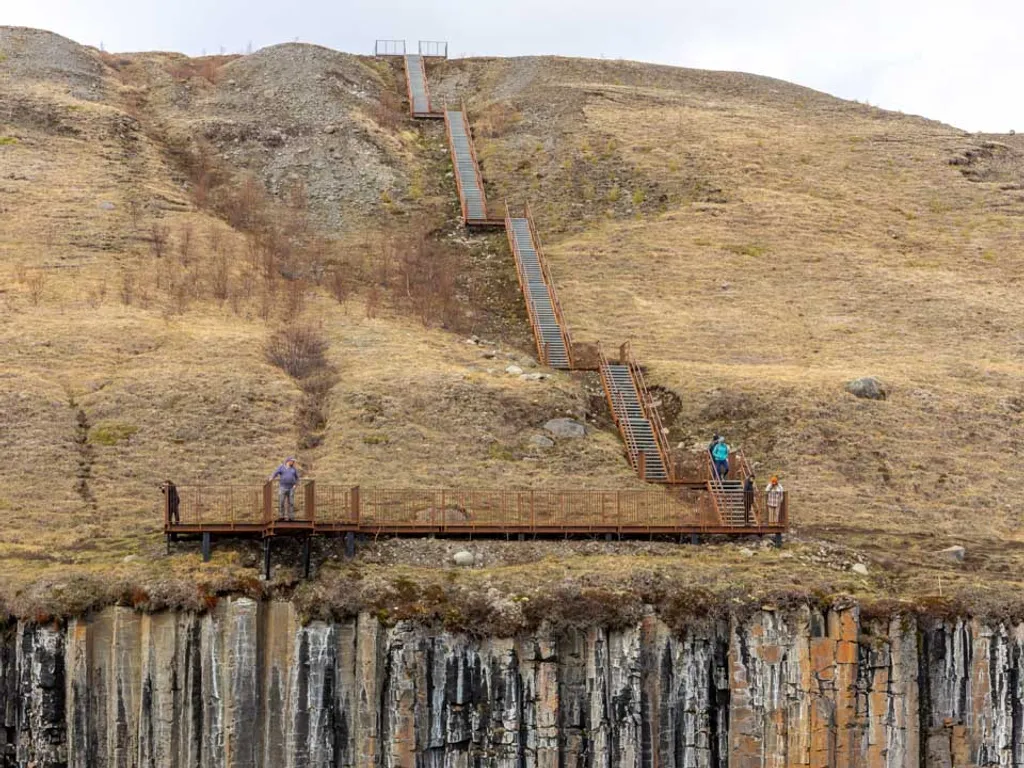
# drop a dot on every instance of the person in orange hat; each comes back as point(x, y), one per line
point(774, 494)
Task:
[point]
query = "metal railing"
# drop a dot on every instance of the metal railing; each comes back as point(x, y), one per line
point(649, 407)
point(531, 309)
point(326, 507)
point(389, 48)
point(433, 48)
point(472, 153)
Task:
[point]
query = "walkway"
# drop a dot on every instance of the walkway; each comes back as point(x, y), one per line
point(336, 509)
point(550, 331)
point(420, 105)
point(469, 182)
point(634, 414)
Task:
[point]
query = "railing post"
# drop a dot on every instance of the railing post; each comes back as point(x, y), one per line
point(641, 465)
point(444, 515)
point(354, 494)
point(310, 499)
point(268, 490)
point(533, 514)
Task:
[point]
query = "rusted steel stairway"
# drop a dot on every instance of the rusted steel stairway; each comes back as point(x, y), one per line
point(468, 180)
point(727, 492)
point(550, 331)
point(419, 93)
point(631, 410)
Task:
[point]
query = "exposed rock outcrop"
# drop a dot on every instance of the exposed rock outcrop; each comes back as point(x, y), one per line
point(248, 685)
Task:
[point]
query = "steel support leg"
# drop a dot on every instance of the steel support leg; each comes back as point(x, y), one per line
point(350, 545)
point(266, 559)
point(307, 555)
point(206, 547)
point(778, 541)
point(695, 538)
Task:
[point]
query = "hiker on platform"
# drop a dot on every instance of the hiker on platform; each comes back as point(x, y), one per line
point(720, 456)
point(170, 490)
point(774, 494)
point(748, 500)
point(288, 477)
point(714, 441)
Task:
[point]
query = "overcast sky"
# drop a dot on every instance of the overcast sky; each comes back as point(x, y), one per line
point(956, 62)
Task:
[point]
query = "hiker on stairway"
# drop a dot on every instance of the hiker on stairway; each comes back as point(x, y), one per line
point(720, 457)
point(748, 499)
point(288, 477)
point(774, 493)
point(714, 440)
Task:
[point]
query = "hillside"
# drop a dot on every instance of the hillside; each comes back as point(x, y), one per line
point(760, 243)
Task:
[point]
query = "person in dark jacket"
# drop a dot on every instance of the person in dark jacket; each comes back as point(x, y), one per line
point(748, 500)
point(170, 490)
point(288, 477)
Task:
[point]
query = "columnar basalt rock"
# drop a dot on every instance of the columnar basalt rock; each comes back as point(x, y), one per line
point(247, 684)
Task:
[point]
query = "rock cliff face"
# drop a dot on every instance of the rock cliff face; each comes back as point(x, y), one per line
point(248, 685)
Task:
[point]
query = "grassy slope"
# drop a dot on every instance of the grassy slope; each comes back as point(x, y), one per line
point(760, 243)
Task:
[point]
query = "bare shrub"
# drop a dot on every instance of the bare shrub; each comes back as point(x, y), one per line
point(373, 297)
point(134, 207)
point(220, 277)
point(158, 235)
point(36, 281)
point(97, 293)
point(388, 111)
point(339, 285)
point(185, 242)
point(127, 287)
point(299, 350)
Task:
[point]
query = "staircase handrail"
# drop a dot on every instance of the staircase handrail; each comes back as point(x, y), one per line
point(715, 505)
point(563, 326)
point(531, 310)
point(476, 163)
point(455, 165)
point(650, 409)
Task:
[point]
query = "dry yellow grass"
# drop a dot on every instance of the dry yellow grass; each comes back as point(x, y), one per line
point(760, 244)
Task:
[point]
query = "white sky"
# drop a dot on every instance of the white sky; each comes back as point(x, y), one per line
point(959, 62)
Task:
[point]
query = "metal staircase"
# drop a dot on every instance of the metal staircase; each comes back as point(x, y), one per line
point(638, 432)
point(419, 93)
point(728, 492)
point(467, 170)
point(550, 331)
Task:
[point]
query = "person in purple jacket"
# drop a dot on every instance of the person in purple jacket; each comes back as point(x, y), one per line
point(287, 476)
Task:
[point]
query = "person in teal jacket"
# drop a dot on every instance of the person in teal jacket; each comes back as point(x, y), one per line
point(720, 456)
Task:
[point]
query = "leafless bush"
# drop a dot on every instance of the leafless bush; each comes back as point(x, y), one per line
point(299, 350)
point(158, 235)
point(134, 212)
point(97, 293)
point(36, 281)
point(220, 277)
point(127, 288)
point(388, 111)
point(339, 285)
point(185, 240)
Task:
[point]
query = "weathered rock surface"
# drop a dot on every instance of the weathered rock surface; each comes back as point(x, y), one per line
point(248, 685)
point(867, 387)
point(565, 428)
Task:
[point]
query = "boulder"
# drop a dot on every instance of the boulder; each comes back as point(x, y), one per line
point(539, 441)
point(868, 387)
point(955, 554)
point(566, 428)
point(859, 568)
point(463, 558)
point(514, 370)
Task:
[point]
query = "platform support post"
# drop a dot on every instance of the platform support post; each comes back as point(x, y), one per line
point(350, 545)
point(778, 540)
point(695, 538)
point(168, 537)
point(307, 555)
point(266, 558)
point(206, 547)
point(521, 537)
point(608, 537)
